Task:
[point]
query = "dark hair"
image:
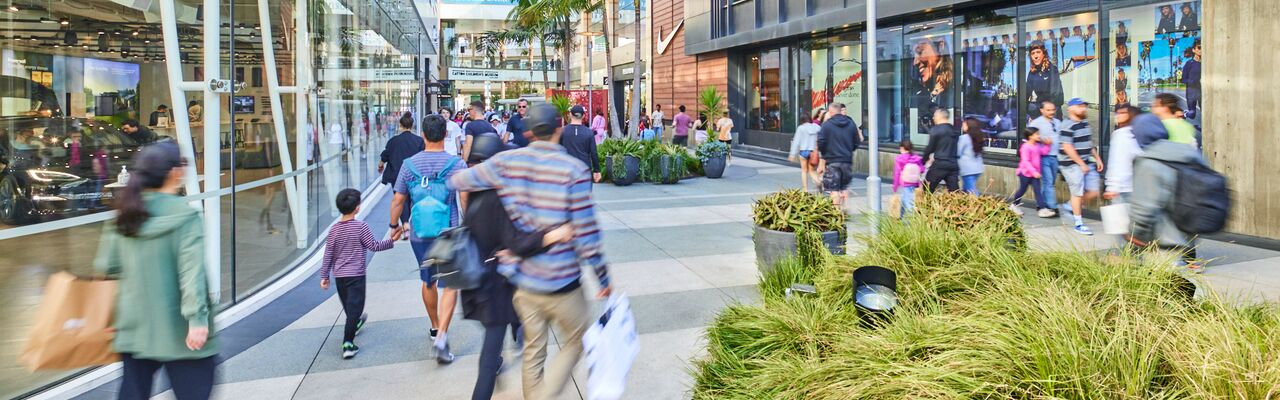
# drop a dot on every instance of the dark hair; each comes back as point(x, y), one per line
point(976, 136)
point(804, 119)
point(1031, 130)
point(906, 144)
point(434, 128)
point(1132, 110)
point(150, 170)
point(657, 107)
point(192, 103)
point(478, 104)
point(133, 123)
point(347, 201)
point(681, 108)
point(1046, 101)
point(162, 106)
point(406, 120)
point(1168, 100)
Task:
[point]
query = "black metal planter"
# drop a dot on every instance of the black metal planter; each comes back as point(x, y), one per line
point(713, 167)
point(631, 171)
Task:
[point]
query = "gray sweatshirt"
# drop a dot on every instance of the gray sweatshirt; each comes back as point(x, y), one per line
point(1154, 183)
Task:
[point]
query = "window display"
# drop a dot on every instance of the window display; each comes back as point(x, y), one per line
point(846, 77)
point(1166, 37)
point(767, 103)
point(988, 70)
point(931, 74)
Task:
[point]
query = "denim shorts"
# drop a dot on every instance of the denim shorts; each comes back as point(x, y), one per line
point(420, 249)
point(1079, 182)
point(805, 154)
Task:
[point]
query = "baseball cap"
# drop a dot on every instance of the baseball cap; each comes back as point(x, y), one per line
point(577, 110)
point(543, 119)
point(495, 117)
point(1076, 101)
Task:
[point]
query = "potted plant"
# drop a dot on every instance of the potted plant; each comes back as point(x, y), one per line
point(713, 153)
point(795, 223)
point(668, 163)
point(712, 104)
point(624, 166)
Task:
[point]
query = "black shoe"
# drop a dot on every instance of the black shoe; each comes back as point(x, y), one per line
point(434, 332)
point(349, 350)
point(443, 356)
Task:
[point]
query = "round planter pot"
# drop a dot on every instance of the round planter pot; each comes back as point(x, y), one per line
point(631, 165)
point(713, 167)
point(667, 169)
point(774, 246)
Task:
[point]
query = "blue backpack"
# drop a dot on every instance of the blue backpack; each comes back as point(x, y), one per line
point(430, 213)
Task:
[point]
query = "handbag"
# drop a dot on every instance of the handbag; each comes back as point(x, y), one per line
point(457, 259)
point(72, 326)
point(814, 158)
point(611, 344)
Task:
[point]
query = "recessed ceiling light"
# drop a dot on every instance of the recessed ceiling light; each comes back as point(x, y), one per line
point(64, 22)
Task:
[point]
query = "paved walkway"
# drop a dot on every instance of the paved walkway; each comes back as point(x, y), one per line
point(681, 252)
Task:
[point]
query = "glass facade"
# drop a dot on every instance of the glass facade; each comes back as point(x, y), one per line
point(994, 64)
point(72, 74)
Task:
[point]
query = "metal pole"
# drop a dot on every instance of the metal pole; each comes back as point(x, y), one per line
point(213, 147)
point(301, 99)
point(873, 146)
point(591, 79)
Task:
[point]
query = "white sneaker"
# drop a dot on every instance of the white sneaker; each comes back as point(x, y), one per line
point(1045, 213)
point(1016, 210)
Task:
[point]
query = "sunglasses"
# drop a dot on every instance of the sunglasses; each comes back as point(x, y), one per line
point(522, 106)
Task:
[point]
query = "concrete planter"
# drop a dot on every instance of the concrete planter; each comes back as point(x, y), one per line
point(713, 167)
point(774, 246)
point(666, 169)
point(631, 165)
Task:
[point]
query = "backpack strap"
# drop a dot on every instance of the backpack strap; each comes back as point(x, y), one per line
point(447, 167)
point(408, 163)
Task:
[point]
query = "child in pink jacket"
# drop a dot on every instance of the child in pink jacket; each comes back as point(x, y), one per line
point(1029, 169)
point(905, 184)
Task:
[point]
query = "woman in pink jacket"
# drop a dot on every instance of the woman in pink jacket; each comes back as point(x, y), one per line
point(1029, 169)
point(598, 126)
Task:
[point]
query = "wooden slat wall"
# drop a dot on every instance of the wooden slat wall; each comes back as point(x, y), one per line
point(676, 77)
point(1240, 103)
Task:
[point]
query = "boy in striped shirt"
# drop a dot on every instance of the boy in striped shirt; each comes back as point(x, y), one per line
point(344, 259)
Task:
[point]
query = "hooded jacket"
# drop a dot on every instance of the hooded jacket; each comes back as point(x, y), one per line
point(943, 146)
point(837, 140)
point(1154, 183)
point(163, 290)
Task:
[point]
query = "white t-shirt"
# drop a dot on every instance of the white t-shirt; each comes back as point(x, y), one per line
point(724, 128)
point(656, 118)
point(453, 137)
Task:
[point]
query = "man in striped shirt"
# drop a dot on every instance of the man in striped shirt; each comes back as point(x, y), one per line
point(1079, 161)
point(543, 187)
point(344, 259)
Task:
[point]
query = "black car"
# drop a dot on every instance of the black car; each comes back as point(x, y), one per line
point(52, 166)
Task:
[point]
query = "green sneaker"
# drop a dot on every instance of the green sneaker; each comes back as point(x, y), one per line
point(349, 350)
point(360, 325)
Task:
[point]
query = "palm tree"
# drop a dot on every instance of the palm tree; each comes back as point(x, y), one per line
point(557, 16)
point(635, 87)
point(614, 129)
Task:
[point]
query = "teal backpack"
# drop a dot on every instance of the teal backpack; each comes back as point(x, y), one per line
point(430, 214)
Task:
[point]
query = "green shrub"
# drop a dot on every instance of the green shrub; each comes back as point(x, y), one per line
point(795, 210)
point(712, 149)
point(979, 319)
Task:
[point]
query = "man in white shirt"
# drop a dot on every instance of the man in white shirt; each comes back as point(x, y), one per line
point(656, 119)
point(1049, 125)
point(453, 133)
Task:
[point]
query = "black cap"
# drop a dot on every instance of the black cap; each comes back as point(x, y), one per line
point(483, 147)
point(578, 110)
point(543, 119)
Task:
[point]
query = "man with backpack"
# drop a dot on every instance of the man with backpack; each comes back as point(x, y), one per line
point(1176, 196)
point(543, 187)
point(433, 207)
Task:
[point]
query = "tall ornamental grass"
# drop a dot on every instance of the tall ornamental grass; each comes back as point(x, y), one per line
point(982, 318)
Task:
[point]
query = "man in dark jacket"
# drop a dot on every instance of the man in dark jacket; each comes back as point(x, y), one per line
point(943, 140)
point(139, 133)
point(836, 142)
point(580, 142)
point(399, 148)
point(1154, 188)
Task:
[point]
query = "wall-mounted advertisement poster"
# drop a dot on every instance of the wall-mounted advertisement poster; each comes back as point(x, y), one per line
point(1161, 54)
point(932, 74)
point(988, 65)
point(1061, 61)
point(111, 89)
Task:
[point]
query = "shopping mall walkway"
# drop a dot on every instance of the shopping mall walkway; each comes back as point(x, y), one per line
point(681, 252)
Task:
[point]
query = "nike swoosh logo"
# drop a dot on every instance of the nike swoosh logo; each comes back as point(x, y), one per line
point(662, 45)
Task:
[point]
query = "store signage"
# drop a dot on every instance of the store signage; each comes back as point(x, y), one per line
point(481, 74)
point(662, 44)
point(368, 74)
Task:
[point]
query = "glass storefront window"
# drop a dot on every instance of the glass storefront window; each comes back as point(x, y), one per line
point(1061, 61)
point(987, 63)
point(812, 78)
point(766, 102)
point(846, 75)
point(930, 81)
point(1156, 48)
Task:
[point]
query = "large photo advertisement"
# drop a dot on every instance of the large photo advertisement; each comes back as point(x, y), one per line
point(1161, 53)
point(988, 65)
point(1061, 61)
point(111, 89)
point(931, 74)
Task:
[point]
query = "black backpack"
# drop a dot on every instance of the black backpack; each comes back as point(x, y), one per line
point(457, 260)
point(1201, 202)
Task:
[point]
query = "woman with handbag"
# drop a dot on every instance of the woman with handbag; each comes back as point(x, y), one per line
point(494, 235)
point(803, 151)
point(164, 314)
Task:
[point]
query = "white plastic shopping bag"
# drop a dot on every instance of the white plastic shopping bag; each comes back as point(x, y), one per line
point(611, 344)
point(1115, 219)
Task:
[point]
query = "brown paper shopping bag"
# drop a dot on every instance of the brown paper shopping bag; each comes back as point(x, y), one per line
point(72, 325)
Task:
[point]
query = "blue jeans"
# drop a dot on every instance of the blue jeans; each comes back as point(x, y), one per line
point(907, 199)
point(420, 249)
point(1049, 177)
point(970, 183)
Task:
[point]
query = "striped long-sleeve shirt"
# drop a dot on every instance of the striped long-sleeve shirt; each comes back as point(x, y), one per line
point(344, 250)
point(543, 187)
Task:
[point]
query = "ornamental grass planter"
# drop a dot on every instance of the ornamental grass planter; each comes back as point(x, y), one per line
point(667, 169)
point(631, 171)
point(714, 167)
point(774, 246)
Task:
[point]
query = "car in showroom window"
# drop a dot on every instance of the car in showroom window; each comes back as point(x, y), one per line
point(54, 166)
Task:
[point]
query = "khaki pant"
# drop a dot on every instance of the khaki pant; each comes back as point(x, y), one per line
point(538, 312)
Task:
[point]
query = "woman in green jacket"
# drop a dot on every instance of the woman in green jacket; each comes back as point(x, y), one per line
point(164, 313)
